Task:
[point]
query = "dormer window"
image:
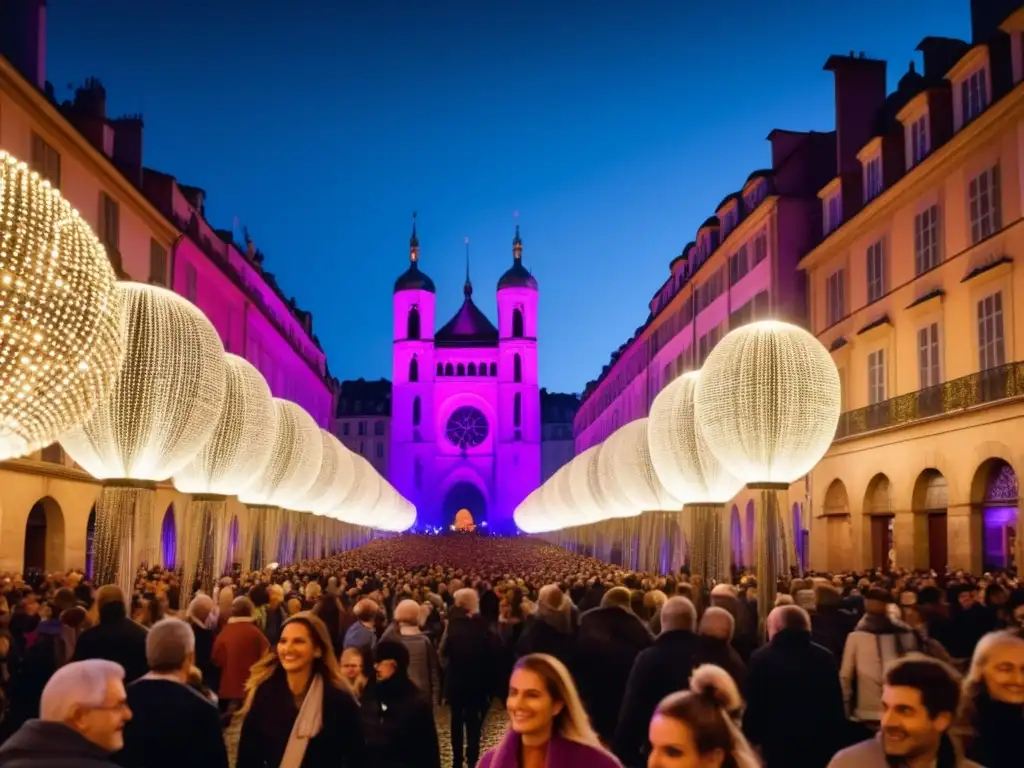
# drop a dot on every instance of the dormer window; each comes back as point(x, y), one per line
point(729, 220)
point(919, 145)
point(973, 95)
point(832, 208)
point(755, 196)
point(873, 178)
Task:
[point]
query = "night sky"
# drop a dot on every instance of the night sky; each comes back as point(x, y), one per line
point(612, 127)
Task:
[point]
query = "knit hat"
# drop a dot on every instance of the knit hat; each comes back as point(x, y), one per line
point(392, 650)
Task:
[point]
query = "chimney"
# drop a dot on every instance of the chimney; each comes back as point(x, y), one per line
point(860, 92)
point(23, 37)
point(987, 15)
point(128, 147)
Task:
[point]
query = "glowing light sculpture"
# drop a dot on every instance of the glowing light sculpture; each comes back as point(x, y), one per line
point(231, 460)
point(162, 409)
point(60, 316)
point(768, 403)
point(627, 472)
point(294, 465)
point(688, 468)
point(333, 481)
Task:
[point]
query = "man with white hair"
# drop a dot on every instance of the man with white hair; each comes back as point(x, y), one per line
point(165, 706)
point(83, 712)
point(662, 669)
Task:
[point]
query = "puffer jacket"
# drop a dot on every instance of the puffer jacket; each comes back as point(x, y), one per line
point(870, 649)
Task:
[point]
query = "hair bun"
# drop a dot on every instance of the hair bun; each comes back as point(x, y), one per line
point(715, 684)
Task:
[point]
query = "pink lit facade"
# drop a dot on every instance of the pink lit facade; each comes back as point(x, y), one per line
point(742, 266)
point(241, 300)
point(465, 418)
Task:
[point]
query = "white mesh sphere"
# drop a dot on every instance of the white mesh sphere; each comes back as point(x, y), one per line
point(60, 316)
point(768, 402)
point(238, 450)
point(681, 457)
point(294, 461)
point(586, 493)
point(168, 397)
point(627, 472)
point(526, 515)
point(362, 498)
point(334, 479)
point(561, 488)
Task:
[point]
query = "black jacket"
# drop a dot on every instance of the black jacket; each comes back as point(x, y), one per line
point(996, 741)
point(268, 725)
point(204, 656)
point(400, 726)
point(51, 745)
point(164, 712)
point(717, 651)
point(792, 674)
point(662, 669)
point(607, 645)
point(540, 635)
point(115, 638)
point(470, 650)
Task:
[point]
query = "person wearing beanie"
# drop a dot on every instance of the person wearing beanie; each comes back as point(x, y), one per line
point(399, 719)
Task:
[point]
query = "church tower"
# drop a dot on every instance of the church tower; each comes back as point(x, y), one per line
point(412, 397)
point(518, 450)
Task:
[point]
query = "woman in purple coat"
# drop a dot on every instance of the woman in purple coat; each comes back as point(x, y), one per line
point(548, 725)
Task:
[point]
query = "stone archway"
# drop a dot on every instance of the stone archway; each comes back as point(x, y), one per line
point(169, 539)
point(838, 527)
point(995, 493)
point(44, 537)
point(930, 503)
point(464, 495)
point(881, 522)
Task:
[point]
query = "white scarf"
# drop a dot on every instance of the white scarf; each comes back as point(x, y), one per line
point(307, 725)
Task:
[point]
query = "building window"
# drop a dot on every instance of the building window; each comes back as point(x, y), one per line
point(517, 410)
point(412, 326)
point(482, 369)
point(417, 411)
point(836, 297)
point(414, 370)
point(45, 160)
point(986, 205)
point(926, 240)
point(471, 369)
point(918, 140)
point(517, 368)
point(460, 370)
point(449, 370)
point(974, 95)
point(517, 323)
point(928, 356)
point(380, 450)
point(157, 263)
point(729, 221)
point(755, 197)
point(362, 428)
point(190, 282)
point(876, 271)
point(873, 178)
point(378, 428)
point(833, 206)
point(738, 265)
point(345, 429)
point(110, 223)
point(440, 369)
point(876, 377)
point(991, 344)
point(494, 369)
point(760, 247)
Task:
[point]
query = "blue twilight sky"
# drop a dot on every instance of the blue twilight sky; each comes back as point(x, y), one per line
point(612, 126)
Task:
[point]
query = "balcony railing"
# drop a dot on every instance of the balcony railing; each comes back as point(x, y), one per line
point(990, 386)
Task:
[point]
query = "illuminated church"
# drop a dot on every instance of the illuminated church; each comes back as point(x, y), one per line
point(465, 411)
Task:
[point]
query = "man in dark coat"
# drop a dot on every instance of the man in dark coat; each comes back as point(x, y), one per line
point(469, 649)
point(83, 712)
point(609, 640)
point(116, 638)
point(793, 675)
point(714, 644)
point(662, 669)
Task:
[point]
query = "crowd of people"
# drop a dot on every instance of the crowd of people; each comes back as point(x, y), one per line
point(347, 661)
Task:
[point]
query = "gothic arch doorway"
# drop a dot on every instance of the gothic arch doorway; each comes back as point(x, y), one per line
point(464, 496)
point(44, 537)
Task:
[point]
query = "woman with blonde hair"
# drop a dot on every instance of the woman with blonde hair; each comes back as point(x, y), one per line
point(547, 722)
point(299, 711)
point(697, 728)
point(353, 669)
point(993, 701)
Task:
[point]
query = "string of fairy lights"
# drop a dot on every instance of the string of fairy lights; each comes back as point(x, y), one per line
point(134, 383)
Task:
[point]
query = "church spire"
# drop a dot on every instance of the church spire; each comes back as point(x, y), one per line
point(467, 289)
point(414, 243)
point(517, 246)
